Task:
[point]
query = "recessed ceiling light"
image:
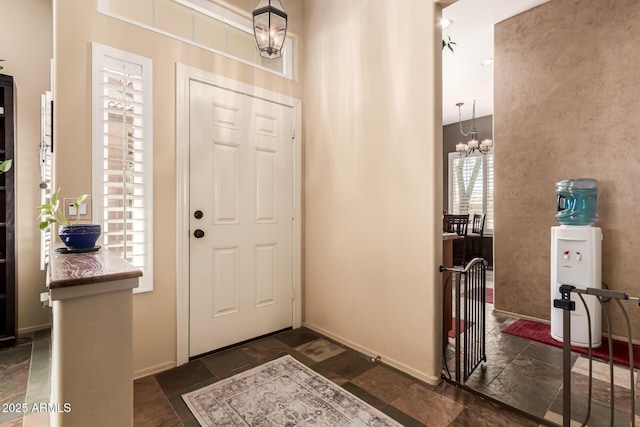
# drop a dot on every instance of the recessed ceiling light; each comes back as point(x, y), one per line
point(487, 61)
point(446, 22)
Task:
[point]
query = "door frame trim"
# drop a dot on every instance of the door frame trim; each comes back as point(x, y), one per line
point(184, 75)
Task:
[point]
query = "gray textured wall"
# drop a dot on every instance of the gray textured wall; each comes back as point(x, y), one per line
point(567, 104)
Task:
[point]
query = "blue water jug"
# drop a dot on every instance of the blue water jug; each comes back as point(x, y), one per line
point(577, 201)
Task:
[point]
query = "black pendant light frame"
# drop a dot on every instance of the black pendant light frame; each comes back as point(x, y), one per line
point(271, 51)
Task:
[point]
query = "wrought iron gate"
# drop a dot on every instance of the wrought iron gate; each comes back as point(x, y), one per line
point(469, 297)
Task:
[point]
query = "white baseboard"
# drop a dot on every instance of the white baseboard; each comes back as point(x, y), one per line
point(34, 328)
point(519, 316)
point(433, 380)
point(154, 369)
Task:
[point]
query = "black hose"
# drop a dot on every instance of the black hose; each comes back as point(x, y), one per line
point(605, 299)
point(606, 316)
point(588, 414)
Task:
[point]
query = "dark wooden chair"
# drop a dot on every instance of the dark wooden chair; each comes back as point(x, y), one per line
point(457, 224)
point(473, 240)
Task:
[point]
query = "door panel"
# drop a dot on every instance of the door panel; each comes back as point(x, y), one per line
point(241, 269)
point(226, 183)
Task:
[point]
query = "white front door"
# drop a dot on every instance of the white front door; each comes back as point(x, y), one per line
point(241, 202)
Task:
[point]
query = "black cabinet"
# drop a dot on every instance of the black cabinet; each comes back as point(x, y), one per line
point(8, 292)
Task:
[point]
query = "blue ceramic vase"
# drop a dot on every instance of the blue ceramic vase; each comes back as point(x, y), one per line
point(79, 236)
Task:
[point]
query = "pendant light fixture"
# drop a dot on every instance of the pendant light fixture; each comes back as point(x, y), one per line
point(270, 28)
point(473, 145)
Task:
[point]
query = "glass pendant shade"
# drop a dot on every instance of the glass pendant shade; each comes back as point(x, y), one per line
point(270, 27)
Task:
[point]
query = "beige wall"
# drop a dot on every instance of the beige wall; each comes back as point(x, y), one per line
point(372, 170)
point(566, 106)
point(77, 24)
point(28, 63)
point(373, 167)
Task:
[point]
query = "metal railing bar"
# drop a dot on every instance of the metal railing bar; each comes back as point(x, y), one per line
point(612, 394)
point(631, 365)
point(588, 414)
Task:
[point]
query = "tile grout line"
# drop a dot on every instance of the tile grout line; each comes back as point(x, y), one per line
point(35, 363)
point(30, 377)
point(26, 394)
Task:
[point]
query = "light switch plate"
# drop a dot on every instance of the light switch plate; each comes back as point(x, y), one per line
point(70, 212)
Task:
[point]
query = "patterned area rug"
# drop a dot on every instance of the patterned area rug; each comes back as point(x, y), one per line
point(283, 392)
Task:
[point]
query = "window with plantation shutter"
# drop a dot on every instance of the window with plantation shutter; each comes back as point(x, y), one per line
point(46, 169)
point(122, 156)
point(489, 192)
point(471, 186)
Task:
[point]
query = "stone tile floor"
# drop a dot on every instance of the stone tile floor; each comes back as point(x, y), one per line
point(158, 400)
point(528, 375)
point(521, 373)
point(25, 372)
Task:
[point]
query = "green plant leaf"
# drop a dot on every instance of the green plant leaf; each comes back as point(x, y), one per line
point(448, 43)
point(6, 165)
point(54, 212)
point(54, 197)
point(45, 212)
point(45, 224)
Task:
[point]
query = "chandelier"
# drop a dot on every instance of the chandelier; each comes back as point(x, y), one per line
point(473, 145)
point(270, 28)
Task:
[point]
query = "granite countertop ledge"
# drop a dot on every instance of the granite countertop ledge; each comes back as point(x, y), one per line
point(67, 270)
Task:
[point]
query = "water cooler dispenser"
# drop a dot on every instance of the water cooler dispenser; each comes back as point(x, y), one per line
point(576, 258)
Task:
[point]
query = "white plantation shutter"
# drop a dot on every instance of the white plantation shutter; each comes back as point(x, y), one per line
point(122, 156)
point(471, 186)
point(489, 192)
point(46, 169)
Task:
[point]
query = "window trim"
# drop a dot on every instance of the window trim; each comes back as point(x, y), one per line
point(221, 14)
point(99, 53)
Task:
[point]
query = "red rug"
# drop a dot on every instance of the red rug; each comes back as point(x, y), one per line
point(489, 295)
point(541, 332)
point(464, 325)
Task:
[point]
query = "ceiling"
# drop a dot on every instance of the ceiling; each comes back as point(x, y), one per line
point(463, 78)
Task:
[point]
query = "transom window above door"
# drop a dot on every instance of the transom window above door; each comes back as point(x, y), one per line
point(204, 24)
